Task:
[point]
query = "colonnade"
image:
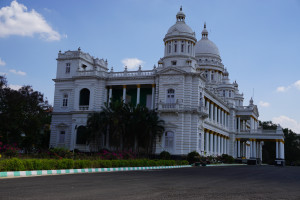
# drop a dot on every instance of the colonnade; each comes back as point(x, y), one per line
point(217, 113)
point(246, 150)
point(242, 124)
point(138, 96)
point(215, 143)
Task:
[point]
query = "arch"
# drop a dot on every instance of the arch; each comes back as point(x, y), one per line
point(65, 100)
point(169, 141)
point(81, 135)
point(170, 96)
point(84, 98)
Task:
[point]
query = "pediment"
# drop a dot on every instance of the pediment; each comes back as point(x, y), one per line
point(171, 71)
point(62, 125)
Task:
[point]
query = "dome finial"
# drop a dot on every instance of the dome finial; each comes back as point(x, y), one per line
point(204, 32)
point(180, 15)
point(180, 8)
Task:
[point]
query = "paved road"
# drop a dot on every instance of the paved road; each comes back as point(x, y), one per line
point(238, 182)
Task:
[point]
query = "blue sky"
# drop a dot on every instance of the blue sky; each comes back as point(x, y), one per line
point(259, 42)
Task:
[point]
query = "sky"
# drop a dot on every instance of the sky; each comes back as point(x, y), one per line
point(259, 42)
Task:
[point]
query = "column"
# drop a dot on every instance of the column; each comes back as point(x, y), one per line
point(277, 149)
point(219, 147)
point(239, 124)
point(207, 142)
point(211, 111)
point(211, 136)
point(124, 93)
point(251, 148)
point(110, 94)
point(224, 145)
point(153, 98)
point(281, 143)
point(216, 115)
point(254, 148)
point(208, 108)
point(219, 115)
point(215, 144)
point(138, 94)
point(238, 148)
point(221, 144)
point(260, 153)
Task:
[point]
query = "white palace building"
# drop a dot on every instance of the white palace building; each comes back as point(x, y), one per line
point(189, 88)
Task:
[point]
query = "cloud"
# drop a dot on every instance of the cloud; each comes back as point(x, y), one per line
point(297, 84)
point(264, 104)
point(17, 72)
point(15, 87)
point(132, 63)
point(287, 122)
point(2, 63)
point(16, 20)
point(284, 89)
point(3, 74)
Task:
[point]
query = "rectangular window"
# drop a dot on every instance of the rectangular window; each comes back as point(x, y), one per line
point(175, 48)
point(182, 47)
point(68, 68)
point(65, 100)
point(169, 48)
point(62, 137)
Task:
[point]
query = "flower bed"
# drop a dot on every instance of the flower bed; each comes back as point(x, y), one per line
point(16, 164)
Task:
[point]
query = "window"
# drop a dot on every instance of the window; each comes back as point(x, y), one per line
point(62, 137)
point(206, 73)
point(175, 47)
point(223, 93)
point(84, 97)
point(200, 142)
point(68, 68)
point(169, 141)
point(173, 62)
point(182, 46)
point(65, 100)
point(170, 96)
point(229, 93)
point(212, 75)
point(81, 135)
point(169, 48)
point(189, 46)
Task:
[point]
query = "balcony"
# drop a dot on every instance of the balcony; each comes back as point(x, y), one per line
point(84, 108)
point(168, 106)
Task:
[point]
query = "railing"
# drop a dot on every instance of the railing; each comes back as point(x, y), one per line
point(131, 73)
point(90, 73)
point(168, 106)
point(83, 107)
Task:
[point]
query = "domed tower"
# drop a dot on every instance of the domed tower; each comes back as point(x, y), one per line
point(180, 44)
point(209, 59)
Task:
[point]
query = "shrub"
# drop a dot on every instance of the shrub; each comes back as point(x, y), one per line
point(164, 155)
point(193, 157)
point(227, 158)
point(60, 153)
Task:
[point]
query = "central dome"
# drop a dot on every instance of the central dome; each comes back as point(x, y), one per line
point(205, 46)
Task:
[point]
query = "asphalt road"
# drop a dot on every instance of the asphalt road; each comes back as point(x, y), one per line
point(238, 182)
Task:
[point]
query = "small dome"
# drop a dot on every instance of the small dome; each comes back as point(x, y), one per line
point(180, 25)
point(205, 46)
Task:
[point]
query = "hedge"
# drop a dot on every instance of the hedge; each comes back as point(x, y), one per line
point(16, 164)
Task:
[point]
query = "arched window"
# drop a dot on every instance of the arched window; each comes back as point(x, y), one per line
point(175, 47)
point(229, 93)
point(169, 141)
point(62, 137)
point(81, 135)
point(182, 46)
point(68, 68)
point(170, 96)
point(223, 93)
point(189, 46)
point(212, 75)
point(84, 97)
point(65, 100)
point(169, 46)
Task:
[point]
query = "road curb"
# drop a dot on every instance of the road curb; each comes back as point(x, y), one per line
point(85, 170)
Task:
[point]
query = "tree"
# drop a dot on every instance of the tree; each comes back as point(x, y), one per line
point(125, 126)
point(21, 116)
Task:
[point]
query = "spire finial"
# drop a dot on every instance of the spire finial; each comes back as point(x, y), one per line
point(180, 8)
point(204, 24)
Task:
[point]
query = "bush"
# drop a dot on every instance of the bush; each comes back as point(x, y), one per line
point(164, 155)
point(227, 158)
point(193, 157)
point(16, 164)
point(60, 153)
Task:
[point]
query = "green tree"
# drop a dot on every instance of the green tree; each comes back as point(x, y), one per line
point(23, 120)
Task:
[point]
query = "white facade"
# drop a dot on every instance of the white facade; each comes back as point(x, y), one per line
point(190, 89)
